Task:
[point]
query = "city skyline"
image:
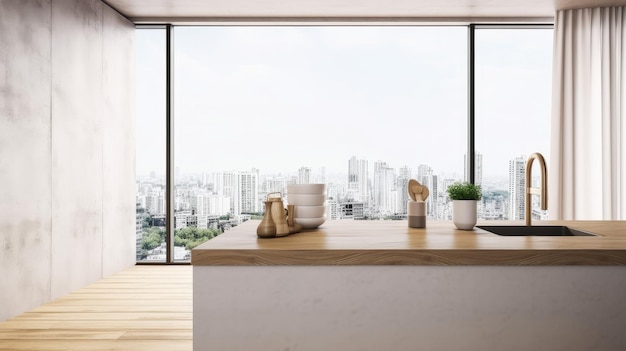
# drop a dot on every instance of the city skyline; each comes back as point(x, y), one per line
point(372, 189)
point(315, 173)
point(214, 201)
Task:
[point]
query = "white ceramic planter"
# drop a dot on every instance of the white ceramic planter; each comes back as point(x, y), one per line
point(464, 214)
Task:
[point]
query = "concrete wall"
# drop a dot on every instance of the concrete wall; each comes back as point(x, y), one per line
point(67, 182)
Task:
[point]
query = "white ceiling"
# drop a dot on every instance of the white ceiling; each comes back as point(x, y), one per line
point(198, 11)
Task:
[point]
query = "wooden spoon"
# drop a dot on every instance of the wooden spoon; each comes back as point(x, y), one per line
point(415, 189)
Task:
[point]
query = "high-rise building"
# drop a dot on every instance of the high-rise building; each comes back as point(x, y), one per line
point(320, 177)
point(304, 175)
point(434, 196)
point(219, 205)
point(225, 184)
point(181, 219)
point(478, 168)
point(404, 175)
point(200, 203)
point(517, 191)
point(332, 209)
point(273, 184)
point(248, 192)
point(241, 187)
point(358, 180)
point(426, 177)
point(155, 201)
point(444, 210)
point(384, 185)
point(140, 214)
point(351, 210)
point(206, 203)
point(336, 190)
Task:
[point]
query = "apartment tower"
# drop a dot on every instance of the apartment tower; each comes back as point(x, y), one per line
point(517, 182)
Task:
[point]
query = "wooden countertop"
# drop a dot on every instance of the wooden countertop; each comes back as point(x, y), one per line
point(394, 243)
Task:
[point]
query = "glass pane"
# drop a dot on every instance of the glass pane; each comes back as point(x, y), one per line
point(362, 109)
point(151, 138)
point(513, 107)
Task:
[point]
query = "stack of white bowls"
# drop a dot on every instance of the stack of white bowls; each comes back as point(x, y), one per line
point(309, 201)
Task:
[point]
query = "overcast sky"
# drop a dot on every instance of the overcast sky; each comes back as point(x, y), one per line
point(279, 98)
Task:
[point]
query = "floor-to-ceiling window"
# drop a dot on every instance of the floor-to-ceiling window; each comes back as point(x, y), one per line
point(258, 108)
point(151, 140)
point(513, 84)
point(360, 108)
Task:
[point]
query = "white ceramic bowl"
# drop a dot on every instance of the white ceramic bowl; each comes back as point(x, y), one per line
point(306, 189)
point(310, 223)
point(306, 199)
point(309, 211)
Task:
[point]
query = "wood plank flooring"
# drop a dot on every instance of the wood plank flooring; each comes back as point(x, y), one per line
point(141, 308)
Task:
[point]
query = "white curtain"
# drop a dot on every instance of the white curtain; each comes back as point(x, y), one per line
point(587, 173)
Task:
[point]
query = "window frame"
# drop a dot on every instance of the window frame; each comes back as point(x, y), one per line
point(169, 115)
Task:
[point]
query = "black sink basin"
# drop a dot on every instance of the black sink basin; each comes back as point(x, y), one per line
point(535, 230)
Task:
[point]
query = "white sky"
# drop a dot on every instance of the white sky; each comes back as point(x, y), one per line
point(279, 98)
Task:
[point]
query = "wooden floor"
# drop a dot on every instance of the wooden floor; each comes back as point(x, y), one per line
point(141, 308)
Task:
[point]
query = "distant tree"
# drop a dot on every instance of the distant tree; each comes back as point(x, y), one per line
point(152, 238)
point(147, 221)
point(495, 195)
point(191, 237)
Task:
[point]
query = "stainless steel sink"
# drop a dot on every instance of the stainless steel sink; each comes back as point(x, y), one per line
point(535, 230)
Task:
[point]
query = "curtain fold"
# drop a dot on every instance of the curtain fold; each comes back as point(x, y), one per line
point(587, 169)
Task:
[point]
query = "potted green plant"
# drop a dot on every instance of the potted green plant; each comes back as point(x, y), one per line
point(464, 196)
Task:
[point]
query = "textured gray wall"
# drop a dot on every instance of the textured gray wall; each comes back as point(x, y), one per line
point(67, 182)
point(118, 137)
point(24, 155)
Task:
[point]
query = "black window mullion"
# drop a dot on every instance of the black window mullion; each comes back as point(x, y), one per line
point(470, 164)
point(169, 120)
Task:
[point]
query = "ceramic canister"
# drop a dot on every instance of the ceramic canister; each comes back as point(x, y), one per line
point(416, 213)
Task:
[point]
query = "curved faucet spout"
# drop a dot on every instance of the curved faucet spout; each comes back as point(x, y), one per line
point(543, 191)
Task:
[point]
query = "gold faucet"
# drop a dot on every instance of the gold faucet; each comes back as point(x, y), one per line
point(543, 191)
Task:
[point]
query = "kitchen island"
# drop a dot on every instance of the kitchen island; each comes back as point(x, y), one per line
point(374, 285)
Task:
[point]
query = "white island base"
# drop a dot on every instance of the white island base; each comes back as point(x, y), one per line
point(318, 308)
